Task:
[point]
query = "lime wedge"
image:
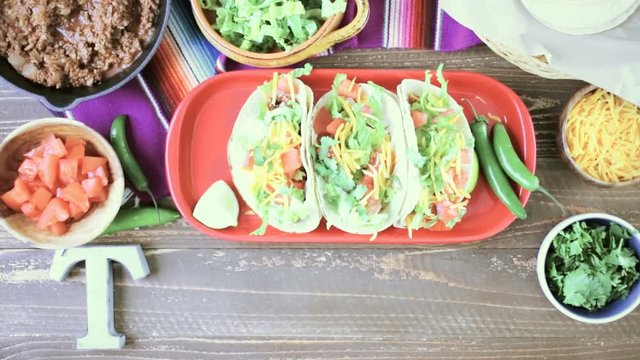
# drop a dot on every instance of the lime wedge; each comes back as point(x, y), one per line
point(218, 207)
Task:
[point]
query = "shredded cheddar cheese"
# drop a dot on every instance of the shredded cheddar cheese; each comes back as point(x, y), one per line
point(602, 134)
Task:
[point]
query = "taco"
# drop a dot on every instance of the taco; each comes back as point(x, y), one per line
point(358, 152)
point(268, 155)
point(443, 167)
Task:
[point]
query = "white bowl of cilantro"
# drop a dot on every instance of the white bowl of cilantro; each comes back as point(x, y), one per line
point(588, 267)
point(274, 33)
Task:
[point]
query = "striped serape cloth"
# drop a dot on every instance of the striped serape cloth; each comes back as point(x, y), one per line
point(185, 58)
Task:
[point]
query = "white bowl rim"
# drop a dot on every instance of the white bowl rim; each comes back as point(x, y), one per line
point(541, 265)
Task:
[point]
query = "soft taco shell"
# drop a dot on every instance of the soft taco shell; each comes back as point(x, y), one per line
point(405, 88)
point(392, 119)
point(249, 129)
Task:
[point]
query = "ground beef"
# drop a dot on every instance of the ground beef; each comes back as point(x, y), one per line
point(62, 43)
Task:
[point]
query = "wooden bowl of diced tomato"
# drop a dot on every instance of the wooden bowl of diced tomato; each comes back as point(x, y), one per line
point(61, 183)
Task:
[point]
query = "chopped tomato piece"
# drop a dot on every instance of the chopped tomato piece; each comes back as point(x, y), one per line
point(419, 118)
point(347, 90)
point(366, 110)
point(36, 184)
point(373, 206)
point(92, 187)
point(439, 226)
point(291, 161)
point(30, 210)
point(28, 170)
point(48, 170)
point(57, 210)
point(91, 163)
point(76, 212)
point(283, 85)
point(72, 141)
point(76, 152)
point(333, 126)
point(35, 153)
point(40, 198)
point(465, 156)
point(74, 194)
point(446, 211)
point(368, 182)
point(100, 197)
point(248, 161)
point(17, 196)
point(68, 170)
point(297, 184)
point(101, 174)
point(54, 146)
point(321, 121)
point(59, 228)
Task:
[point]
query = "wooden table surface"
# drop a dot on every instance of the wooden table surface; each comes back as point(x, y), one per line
point(211, 299)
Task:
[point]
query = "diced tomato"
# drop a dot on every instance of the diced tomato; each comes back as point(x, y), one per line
point(54, 146)
point(76, 212)
point(28, 170)
point(283, 85)
point(22, 189)
point(333, 126)
point(366, 110)
point(439, 226)
point(35, 153)
point(40, 198)
point(419, 118)
point(91, 163)
point(291, 161)
point(248, 161)
point(30, 210)
point(57, 210)
point(373, 206)
point(297, 184)
point(465, 156)
point(101, 174)
point(74, 194)
point(72, 141)
point(100, 197)
point(59, 228)
point(68, 170)
point(321, 121)
point(368, 182)
point(48, 171)
point(446, 211)
point(92, 187)
point(343, 90)
point(76, 152)
point(17, 196)
point(36, 184)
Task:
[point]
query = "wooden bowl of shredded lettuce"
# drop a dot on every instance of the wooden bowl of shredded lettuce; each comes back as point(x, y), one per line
point(274, 33)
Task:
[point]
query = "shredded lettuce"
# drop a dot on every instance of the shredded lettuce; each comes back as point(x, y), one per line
point(265, 25)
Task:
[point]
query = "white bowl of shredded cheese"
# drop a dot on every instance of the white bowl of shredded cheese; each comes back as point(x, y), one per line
point(599, 137)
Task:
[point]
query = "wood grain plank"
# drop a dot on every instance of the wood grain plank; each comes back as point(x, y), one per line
point(303, 294)
point(29, 348)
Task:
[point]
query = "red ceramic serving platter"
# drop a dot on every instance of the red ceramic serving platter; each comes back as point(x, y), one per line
point(197, 152)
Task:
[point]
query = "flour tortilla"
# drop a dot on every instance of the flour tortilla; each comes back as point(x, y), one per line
point(581, 17)
point(392, 119)
point(248, 131)
point(412, 86)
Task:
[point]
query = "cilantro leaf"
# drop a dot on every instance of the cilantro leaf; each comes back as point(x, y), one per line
point(590, 266)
